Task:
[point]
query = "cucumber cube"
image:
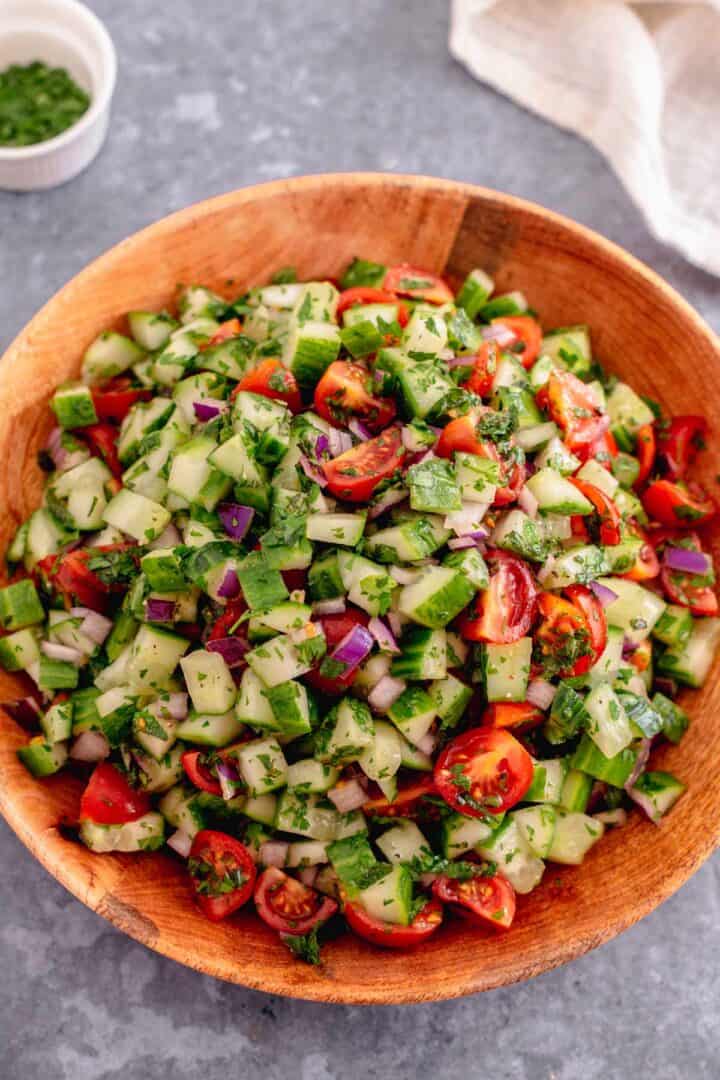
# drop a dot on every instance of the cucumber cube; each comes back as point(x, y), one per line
point(507, 670)
point(309, 349)
point(424, 655)
point(556, 495)
point(433, 487)
point(277, 661)
point(537, 827)
point(262, 765)
point(110, 354)
point(41, 757)
point(20, 605)
point(437, 598)
point(390, 899)
point(291, 711)
point(608, 726)
point(137, 516)
point(73, 405)
point(209, 682)
point(574, 835)
point(657, 793)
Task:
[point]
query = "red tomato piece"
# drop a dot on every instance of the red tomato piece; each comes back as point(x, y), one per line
point(392, 935)
point(223, 626)
point(102, 439)
point(603, 450)
point(70, 576)
point(114, 399)
point(504, 612)
point(678, 445)
point(462, 434)
point(645, 449)
point(344, 392)
point(527, 331)
point(363, 294)
point(272, 380)
point(606, 510)
point(572, 624)
point(335, 627)
point(109, 799)
point(483, 771)
point(354, 475)
point(407, 280)
point(410, 801)
point(647, 564)
point(485, 364)
point(678, 505)
point(222, 872)
point(198, 772)
point(488, 901)
point(228, 330)
point(518, 715)
point(287, 905)
point(575, 407)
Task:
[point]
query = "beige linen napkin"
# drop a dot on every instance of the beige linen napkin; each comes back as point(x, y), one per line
point(641, 81)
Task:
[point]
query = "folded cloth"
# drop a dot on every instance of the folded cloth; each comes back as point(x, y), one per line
point(641, 81)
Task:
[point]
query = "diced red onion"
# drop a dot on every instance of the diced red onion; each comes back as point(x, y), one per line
point(687, 562)
point(312, 471)
point(336, 606)
point(209, 408)
point(232, 650)
point(629, 647)
point(666, 686)
point(389, 498)
point(339, 442)
point(322, 447)
point(90, 746)
point(385, 693)
point(25, 712)
point(461, 361)
point(466, 522)
point(359, 430)
point(227, 778)
point(541, 693)
point(612, 817)
point(177, 705)
point(641, 762)
point(274, 852)
point(353, 648)
point(396, 621)
point(236, 519)
point(180, 842)
point(307, 875)
point(457, 543)
point(384, 636)
point(157, 610)
point(527, 502)
point(500, 333)
point(96, 627)
point(598, 793)
point(55, 651)
point(229, 587)
point(427, 743)
point(403, 576)
point(169, 537)
point(347, 796)
point(603, 593)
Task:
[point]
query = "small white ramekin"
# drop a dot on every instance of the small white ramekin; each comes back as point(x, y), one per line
point(63, 33)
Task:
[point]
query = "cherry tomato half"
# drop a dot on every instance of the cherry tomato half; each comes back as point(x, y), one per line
point(410, 801)
point(227, 330)
point(363, 294)
point(223, 873)
point(70, 576)
point(678, 445)
point(224, 625)
point(419, 284)
point(483, 771)
point(335, 627)
point(199, 773)
point(504, 612)
point(462, 434)
point(578, 618)
point(393, 935)
point(109, 799)
point(344, 392)
point(486, 901)
point(485, 363)
point(272, 380)
point(647, 564)
point(607, 512)
point(645, 449)
point(114, 399)
point(287, 905)
point(575, 407)
point(354, 475)
point(518, 715)
point(678, 505)
point(102, 440)
point(528, 333)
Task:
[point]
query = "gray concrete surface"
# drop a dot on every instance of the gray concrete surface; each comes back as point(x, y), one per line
point(212, 96)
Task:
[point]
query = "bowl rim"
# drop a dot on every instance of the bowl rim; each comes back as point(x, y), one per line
point(332, 992)
point(99, 102)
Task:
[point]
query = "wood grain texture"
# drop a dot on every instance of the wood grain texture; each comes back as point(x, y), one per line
point(641, 329)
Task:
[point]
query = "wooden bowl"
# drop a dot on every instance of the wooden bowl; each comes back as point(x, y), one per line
point(641, 329)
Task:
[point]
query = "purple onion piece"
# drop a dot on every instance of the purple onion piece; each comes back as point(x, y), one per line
point(666, 686)
point(603, 593)
point(236, 519)
point(687, 562)
point(207, 410)
point(232, 650)
point(354, 647)
point(322, 447)
point(359, 430)
point(313, 471)
point(229, 587)
point(159, 610)
point(383, 636)
point(640, 763)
